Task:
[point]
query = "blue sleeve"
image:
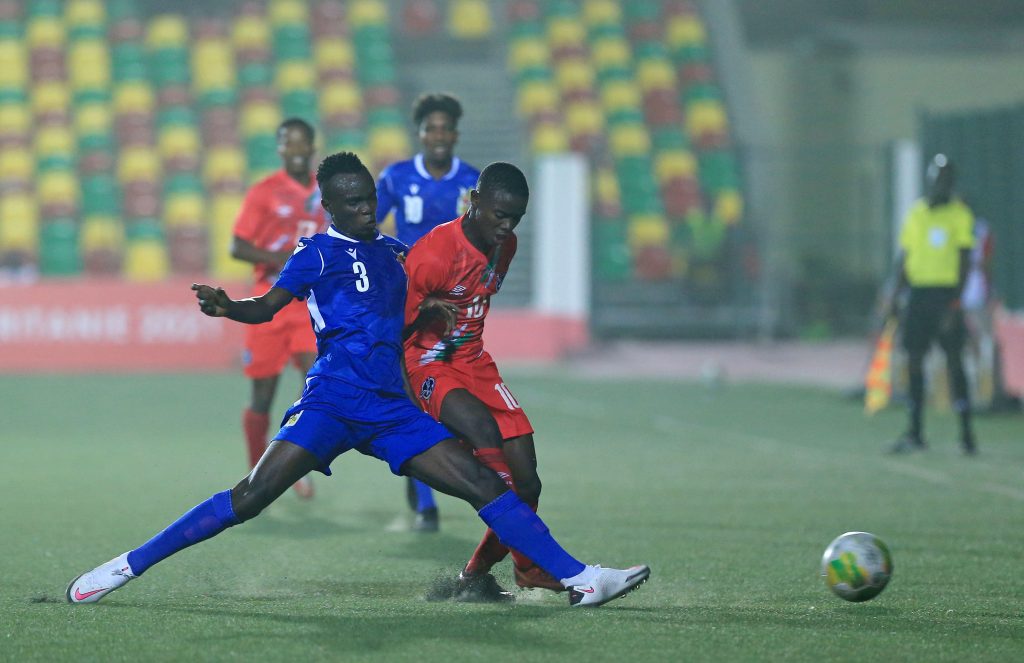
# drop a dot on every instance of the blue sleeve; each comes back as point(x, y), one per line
point(302, 270)
point(385, 195)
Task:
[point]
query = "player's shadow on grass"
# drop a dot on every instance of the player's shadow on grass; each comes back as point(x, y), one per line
point(356, 633)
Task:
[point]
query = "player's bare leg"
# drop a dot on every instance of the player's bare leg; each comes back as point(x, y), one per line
point(281, 466)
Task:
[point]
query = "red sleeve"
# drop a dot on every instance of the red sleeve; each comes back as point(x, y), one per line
point(251, 217)
point(427, 274)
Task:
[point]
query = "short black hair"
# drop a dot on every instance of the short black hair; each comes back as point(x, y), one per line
point(436, 101)
point(503, 176)
point(298, 123)
point(339, 163)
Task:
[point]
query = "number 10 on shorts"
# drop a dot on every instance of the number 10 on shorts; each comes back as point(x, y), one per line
point(507, 396)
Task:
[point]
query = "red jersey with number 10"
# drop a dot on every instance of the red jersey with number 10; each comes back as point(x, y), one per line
point(443, 264)
point(276, 214)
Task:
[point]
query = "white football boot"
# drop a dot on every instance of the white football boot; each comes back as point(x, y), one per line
point(93, 585)
point(602, 585)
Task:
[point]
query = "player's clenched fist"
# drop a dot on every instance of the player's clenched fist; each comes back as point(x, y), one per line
point(212, 301)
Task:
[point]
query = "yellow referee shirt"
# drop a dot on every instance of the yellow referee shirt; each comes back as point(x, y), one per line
point(931, 239)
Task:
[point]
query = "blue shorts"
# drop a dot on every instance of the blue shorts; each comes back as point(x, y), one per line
point(333, 417)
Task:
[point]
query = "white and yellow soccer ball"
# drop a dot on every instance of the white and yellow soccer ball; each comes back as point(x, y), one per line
point(857, 566)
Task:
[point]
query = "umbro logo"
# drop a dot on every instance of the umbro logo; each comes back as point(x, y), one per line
point(457, 290)
point(284, 210)
point(351, 252)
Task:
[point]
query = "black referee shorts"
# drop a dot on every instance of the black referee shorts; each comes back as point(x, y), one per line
point(928, 318)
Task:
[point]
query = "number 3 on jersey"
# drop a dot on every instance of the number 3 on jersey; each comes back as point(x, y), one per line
point(506, 395)
point(363, 282)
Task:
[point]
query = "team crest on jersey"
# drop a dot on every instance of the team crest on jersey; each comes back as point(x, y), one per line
point(427, 389)
point(294, 419)
point(457, 290)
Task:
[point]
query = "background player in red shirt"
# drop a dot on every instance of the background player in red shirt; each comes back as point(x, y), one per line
point(278, 211)
point(453, 271)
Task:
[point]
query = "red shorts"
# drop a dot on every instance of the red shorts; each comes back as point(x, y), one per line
point(432, 382)
point(269, 346)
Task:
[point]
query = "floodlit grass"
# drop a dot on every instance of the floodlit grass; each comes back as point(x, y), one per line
point(730, 494)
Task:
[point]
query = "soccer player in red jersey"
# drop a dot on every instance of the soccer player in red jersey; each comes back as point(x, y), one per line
point(453, 272)
point(277, 212)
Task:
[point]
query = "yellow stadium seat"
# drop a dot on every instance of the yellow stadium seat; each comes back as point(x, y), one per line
point(287, 12)
point(729, 206)
point(549, 139)
point(101, 232)
point(683, 30)
point(211, 53)
point(294, 75)
point(138, 164)
point(333, 54)
point(57, 186)
point(146, 260)
point(574, 74)
point(15, 118)
point(54, 140)
point(89, 64)
point(584, 118)
point(84, 12)
point(674, 163)
point(610, 52)
point(340, 98)
point(655, 74)
point(13, 64)
point(184, 209)
point(602, 12)
point(49, 97)
point(133, 97)
point(223, 163)
point(564, 31)
point(92, 118)
point(217, 77)
point(178, 141)
point(223, 211)
point(629, 140)
point(250, 32)
point(528, 52)
point(469, 19)
point(367, 12)
point(620, 95)
point(19, 223)
point(537, 96)
point(46, 31)
point(648, 230)
point(387, 142)
point(606, 186)
point(706, 116)
point(260, 118)
point(16, 164)
point(167, 31)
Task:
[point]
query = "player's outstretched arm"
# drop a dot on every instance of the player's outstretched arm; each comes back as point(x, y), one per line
point(215, 303)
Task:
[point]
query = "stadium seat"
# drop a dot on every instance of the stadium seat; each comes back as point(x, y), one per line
point(167, 31)
point(549, 138)
point(13, 64)
point(212, 65)
point(565, 32)
point(602, 12)
point(16, 165)
point(260, 119)
point(178, 141)
point(287, 12)
point(674, 163)
point(92, 119)
point(364, 13)
point(683, 31)
point(188, 249)
point(469, 19)
point(537, 97)
point(653, 262)
point(19, 223)
point(138, 163)
point(133, 97)
point(50, 97)
point(54, 142)
point(145, 260)
point(45, 31)
point(57, 186)
point(84, 12)
point(420, 17)
point(648, 230)
point(527, 53)
point(184, 209)
point(89, 64)
point(655, 74)
point(620, 95)
point(294, 75)
point(223, 212)
point(58, 248)
point(334, 54)
point(250, 33)
point(610, 53)
point(223, 163)
point(574, 75)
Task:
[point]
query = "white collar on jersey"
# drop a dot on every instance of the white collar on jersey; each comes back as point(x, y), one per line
point(422, 169)
point(334, 233)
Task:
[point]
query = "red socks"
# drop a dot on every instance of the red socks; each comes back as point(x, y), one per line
point(491, 550)
point(255, 425)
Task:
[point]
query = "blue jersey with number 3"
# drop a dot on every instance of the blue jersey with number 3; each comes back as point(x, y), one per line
point(355, 292)
point(420, 202)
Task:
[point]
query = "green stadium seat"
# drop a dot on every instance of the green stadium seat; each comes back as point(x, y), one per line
point(58, 248)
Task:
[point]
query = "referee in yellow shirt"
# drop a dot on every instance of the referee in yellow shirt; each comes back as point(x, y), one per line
point(934, 260)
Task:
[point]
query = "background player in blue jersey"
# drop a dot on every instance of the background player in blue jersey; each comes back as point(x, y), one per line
point(356, 397)
point(430, 189)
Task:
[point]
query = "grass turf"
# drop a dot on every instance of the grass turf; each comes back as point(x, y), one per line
point(730, 494)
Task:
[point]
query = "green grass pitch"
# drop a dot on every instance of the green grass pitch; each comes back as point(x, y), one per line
point(730, 494)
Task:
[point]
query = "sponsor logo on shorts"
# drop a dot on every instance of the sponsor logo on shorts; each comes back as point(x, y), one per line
point(294, 419)
point(427, 389)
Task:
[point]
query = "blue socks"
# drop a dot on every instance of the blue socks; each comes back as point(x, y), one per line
point(424, 496)
point(518, 527)
point(204, 520)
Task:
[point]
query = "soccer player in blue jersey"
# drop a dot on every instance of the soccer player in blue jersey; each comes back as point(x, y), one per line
point(356, 397)
point(430, 189)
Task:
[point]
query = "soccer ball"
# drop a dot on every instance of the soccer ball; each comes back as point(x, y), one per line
point(857, 566)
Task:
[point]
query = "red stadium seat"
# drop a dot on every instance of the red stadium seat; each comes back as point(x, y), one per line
point(661, 108)
point(523, 10)
point(174, 95)
point(420, 17)
point(381, 96)
point(643, 31)
point(126, 30)
point(188, 250)
point(653, 263)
